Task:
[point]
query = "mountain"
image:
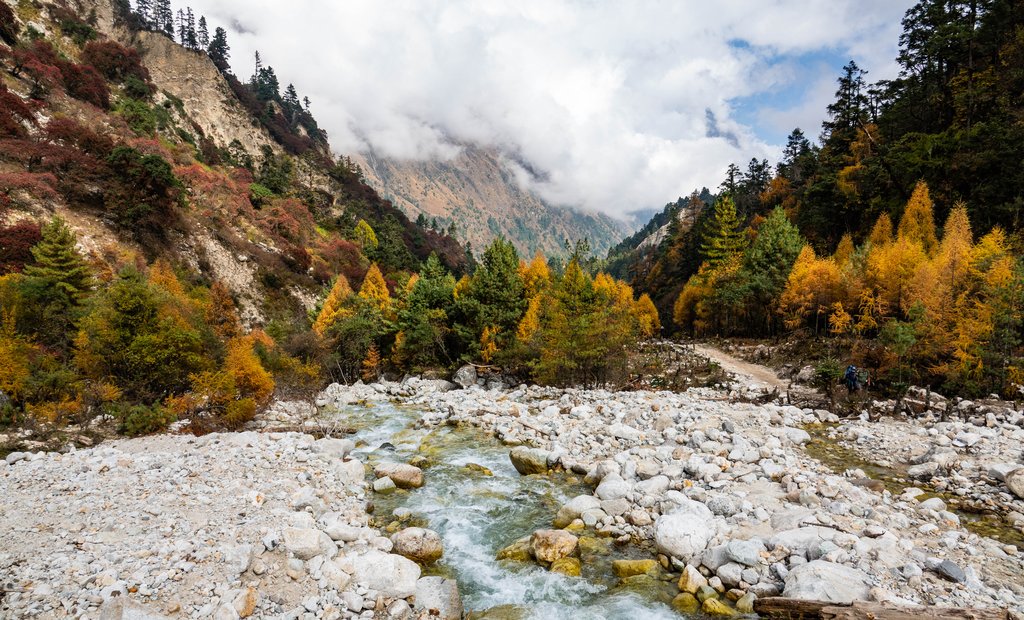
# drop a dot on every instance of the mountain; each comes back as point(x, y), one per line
point(97, 98)
point(478, 191)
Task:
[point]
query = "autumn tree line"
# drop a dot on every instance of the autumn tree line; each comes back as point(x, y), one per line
point(148, 345)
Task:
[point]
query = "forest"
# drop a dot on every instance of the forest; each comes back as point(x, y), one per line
point(839, 243)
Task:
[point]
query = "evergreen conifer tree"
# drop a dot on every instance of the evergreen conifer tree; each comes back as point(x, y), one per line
point(56, 284)
point(724, 238)
point(203, 34)
point(219, 50)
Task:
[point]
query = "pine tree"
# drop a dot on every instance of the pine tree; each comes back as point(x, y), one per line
point(59, 270)
point(724, 239)
point(290, 101)
point(180, 26)
point(191, 38)
point(203, 35)
point(881, 234)
point(144, 9)
point(163, 17)
point(219, 50)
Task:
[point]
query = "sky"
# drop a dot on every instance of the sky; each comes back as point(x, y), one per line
point(605, 106)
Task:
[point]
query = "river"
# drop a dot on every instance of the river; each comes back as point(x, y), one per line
point(478, 514)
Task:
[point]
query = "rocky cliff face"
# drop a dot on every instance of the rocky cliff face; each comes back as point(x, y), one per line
point(478, 191)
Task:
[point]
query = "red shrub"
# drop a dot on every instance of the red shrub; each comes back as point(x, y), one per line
point(288, 218)
point(342, 256)
point(38, 185)
point(16, 243)
point(116, 62)
point(85, 84)
point(13, 113)
point(71, 133)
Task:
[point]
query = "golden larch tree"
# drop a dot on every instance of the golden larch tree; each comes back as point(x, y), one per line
point(918, 221)
point(334, 307)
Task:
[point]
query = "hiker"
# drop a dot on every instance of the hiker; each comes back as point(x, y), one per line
point(851, 379)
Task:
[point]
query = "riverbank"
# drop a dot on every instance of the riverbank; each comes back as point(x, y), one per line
point(704, 495)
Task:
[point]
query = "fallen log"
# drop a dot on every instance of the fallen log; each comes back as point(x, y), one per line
point(795, 609)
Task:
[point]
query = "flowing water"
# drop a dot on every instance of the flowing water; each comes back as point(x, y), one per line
point(478, 514)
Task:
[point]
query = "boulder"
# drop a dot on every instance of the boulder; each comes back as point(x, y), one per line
point(825, 581)
point(337, 448)
point(551, 545)
point(684, 533)
point(631, 568)
point(612, 487)
point(574, 509)
point(691, 580)
point(567, 566)
point(304, 543)
point(465, 376)
point(518, 551)
point(1015, 482)
point(390, 575)
point(418, 544)
point(746, 552)
point(439, 597)
point(529, 460)
point(404, 476)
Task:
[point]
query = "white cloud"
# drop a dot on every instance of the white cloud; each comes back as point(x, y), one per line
point(609, 100)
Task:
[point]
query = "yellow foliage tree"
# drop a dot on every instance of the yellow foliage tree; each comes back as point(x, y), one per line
point(891, 269)
point(488, 344)
point(372, 364)
point(536, 275)
point(221, 315)
point(375, 290)
point(462, 286)
point(814, 286)
point(334, 307)
point(365, 235)
point(530, 322)
point(250, 378)
point(881, 233)
point(918, 221)
point(844, 251)
point(647, 316)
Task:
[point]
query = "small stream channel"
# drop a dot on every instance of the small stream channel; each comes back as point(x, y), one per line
point(478, 514)
point(839, 458)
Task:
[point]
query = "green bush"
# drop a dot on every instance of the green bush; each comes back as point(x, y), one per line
point(139, 116)
point(135, 420)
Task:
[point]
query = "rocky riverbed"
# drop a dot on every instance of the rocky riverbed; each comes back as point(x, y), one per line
point(706, 500)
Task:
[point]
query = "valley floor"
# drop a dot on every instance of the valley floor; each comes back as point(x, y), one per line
point(731, 500)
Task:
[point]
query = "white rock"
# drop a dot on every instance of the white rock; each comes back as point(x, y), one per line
point(391, 575)
point(825, 581)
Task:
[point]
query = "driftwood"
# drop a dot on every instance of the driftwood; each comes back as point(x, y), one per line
point(794, 609)
point(315, 431)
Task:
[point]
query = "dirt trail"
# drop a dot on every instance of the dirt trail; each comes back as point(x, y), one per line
point(755, 372)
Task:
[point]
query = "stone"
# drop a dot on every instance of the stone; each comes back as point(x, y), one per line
point(418, 544)
point(404, 476)
point(924, 471)
point(612, 487)
point(574, 509)
point(731, 573)
point(948, 570)
point(465, 376)
point(246, 602)
point(686, 604)
point(302, 543)
point(629, 568)
point(745, 604)
point(797, 435)
point(119, 608)
point(238, 558)
point(1015, 482)
point(335, 448)
point(683, 534)
point(691, 580)
point(825, 581)
point(439, 597)
point(551, 545)
point(935, 503)
point(715, 607)
point(999, 470)
point(14, 457)
point(570, 567)
point(384, 485)
point(518, 551)
point(391, 575)
point(529, 460)
point(746, 552)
